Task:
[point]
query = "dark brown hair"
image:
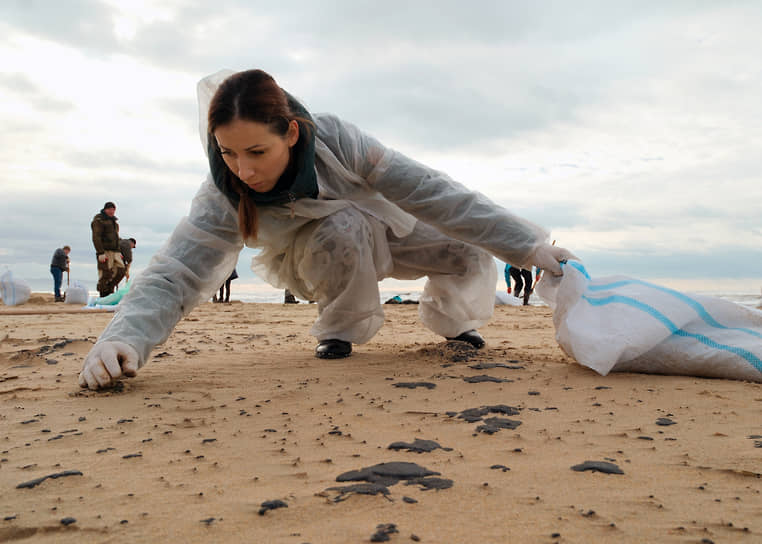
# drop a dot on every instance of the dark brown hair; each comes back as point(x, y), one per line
point(251, 95)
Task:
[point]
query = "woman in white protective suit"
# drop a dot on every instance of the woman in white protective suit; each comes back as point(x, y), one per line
point(333, 212)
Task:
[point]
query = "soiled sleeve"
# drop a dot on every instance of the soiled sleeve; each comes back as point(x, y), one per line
point(432, 196)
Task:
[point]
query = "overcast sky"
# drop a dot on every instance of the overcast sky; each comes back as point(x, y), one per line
point(631, 130)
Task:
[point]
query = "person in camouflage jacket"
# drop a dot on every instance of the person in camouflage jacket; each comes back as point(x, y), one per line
point(111, 269)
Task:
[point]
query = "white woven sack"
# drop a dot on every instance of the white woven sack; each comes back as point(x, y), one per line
point(76, 293)
point(14, 291)
point(620, 324)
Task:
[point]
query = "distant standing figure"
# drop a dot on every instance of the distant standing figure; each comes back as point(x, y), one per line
point(528, 286)
point(522, 279)
point(106, 241)
point(507, 273)
point(226, 287)
point(126, 245)
point(58, 265)
point(289, 298)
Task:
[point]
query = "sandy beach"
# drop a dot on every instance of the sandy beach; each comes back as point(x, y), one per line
point(235, 432)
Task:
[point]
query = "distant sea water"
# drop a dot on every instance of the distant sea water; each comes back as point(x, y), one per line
point(256, 292)
point(747, 293)
point(276, 297)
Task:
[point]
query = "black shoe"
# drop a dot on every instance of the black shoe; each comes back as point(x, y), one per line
point(333, 349)
point(472, 337)
point(290, 299)
point(60, 299)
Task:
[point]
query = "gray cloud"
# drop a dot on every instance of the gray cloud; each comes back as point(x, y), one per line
point(552, 216)
point(18, 83)
point(185, 109)
point(442, 73)
point(435, 68)
point(22, 86)
point(136, 163)
point(76, 23)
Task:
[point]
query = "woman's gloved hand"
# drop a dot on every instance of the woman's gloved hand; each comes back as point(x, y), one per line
point(106, 362)
point(548, 258)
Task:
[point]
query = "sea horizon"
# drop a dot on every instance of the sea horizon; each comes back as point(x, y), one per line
point(738, 291)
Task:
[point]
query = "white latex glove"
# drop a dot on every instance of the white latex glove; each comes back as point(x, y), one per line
point(106, 362)
point(548, 258)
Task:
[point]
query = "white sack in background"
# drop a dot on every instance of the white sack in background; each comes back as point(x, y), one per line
point(504, 299)
point(76, 293)
point(14, 291)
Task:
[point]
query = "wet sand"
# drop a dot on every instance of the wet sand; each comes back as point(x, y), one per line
point(235, 432)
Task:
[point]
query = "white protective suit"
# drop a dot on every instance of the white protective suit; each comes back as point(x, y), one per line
point(378, 214)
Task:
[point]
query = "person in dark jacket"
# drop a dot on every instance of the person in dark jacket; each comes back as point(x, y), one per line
point(58, 265)
point(126, 245)
point(105, 228)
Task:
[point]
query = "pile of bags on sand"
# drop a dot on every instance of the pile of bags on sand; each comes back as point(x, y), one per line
point(15, 291)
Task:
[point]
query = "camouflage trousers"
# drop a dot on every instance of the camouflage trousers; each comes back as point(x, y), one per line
point(110, 272)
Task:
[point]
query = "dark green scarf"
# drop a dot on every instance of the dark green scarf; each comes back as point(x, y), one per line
point(298, 181)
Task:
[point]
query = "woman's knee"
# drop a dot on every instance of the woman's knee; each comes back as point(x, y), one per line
point(343, 236)
point(339, 248)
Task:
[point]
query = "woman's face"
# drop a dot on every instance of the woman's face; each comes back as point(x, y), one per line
point(254, 153)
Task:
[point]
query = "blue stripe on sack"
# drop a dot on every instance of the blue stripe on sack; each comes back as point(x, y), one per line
point(12, 287)
point(578, 266)
point(700, 310)
point(653, 312)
